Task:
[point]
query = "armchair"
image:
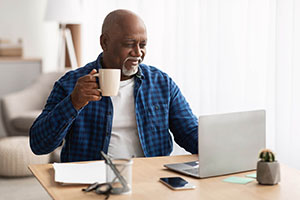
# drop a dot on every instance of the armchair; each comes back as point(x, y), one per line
point(20, 109)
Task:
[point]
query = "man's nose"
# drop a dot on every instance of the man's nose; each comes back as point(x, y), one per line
point(137, 51)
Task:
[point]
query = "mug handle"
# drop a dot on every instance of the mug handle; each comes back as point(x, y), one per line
point(97, 75)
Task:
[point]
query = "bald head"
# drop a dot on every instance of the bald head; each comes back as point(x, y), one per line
point(120, 19)
point(123, 40)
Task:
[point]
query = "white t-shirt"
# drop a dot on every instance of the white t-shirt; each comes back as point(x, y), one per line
point(124, 141)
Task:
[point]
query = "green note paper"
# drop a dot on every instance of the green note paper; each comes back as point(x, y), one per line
point(239, 180)
point(251, 175)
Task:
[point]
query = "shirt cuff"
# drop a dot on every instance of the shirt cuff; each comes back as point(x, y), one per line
point(67, 110)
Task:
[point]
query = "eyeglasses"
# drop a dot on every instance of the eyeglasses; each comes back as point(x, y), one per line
point(103, 188)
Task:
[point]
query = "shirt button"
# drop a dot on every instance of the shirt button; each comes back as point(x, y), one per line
point(156, 107)
point(109, 113)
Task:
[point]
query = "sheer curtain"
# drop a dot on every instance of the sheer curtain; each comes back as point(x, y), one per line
point(288, 82)
point(225, 55)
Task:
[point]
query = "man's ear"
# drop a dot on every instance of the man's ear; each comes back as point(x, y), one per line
point(103, 41)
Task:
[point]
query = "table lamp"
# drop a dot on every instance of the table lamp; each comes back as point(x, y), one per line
point(64, 12)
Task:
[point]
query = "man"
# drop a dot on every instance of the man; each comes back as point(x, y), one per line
point(134, 123)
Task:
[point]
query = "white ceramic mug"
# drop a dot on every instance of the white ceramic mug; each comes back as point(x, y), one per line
point(109, 81)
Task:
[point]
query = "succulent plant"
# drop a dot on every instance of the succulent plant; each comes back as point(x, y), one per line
point(266, 155)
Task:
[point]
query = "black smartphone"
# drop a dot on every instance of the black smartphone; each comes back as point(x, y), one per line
point(176, 183)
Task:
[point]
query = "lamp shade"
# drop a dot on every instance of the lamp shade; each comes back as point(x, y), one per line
point(63, 11)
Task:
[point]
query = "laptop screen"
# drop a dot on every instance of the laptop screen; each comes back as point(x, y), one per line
point(230, 143)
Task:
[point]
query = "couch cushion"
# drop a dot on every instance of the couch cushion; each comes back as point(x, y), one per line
point(24, 121)
point(16, 155)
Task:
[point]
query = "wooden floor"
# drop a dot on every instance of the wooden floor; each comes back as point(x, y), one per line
point(22, 188)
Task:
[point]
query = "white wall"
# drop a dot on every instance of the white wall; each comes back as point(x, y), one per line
point(25, 20)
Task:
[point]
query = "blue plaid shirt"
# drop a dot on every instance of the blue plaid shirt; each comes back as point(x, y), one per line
point(159, 107)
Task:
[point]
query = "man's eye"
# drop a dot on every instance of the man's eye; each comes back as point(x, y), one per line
point(129, 44)
point(142, 46)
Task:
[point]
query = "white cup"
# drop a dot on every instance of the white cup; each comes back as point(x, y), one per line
point(109, 81)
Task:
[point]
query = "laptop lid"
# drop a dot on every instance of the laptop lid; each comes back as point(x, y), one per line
point(230, 143)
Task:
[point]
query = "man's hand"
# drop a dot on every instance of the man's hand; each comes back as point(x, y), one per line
point(86, 89)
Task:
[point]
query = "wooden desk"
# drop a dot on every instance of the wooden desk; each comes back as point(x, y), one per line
point(147, 171)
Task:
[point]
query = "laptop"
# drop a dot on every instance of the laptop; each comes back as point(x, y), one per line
point(228, 143)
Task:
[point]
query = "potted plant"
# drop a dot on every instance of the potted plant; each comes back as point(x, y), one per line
point(268, 169)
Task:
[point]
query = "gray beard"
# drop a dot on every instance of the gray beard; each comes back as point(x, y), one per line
point(133, 69)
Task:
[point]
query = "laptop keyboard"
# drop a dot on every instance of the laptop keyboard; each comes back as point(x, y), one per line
point(192, 170)
point(193, 164)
